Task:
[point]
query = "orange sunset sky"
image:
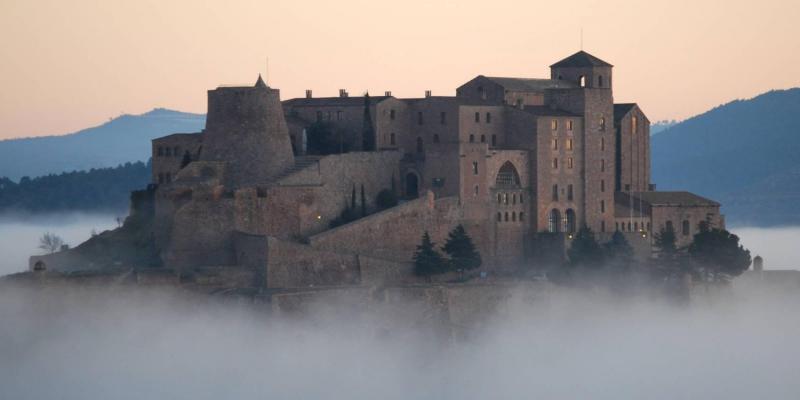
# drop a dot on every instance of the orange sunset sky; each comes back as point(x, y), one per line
point(68, 65)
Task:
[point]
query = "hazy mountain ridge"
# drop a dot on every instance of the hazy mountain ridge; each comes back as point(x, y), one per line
point(123, 139)
point(743, 153)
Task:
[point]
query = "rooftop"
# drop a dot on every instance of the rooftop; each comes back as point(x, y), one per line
point(355, 101)
point(622, 109)
point(530, 84)
point(674, 199)
point(579, 60)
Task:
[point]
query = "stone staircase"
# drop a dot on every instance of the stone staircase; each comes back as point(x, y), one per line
point(300, 163)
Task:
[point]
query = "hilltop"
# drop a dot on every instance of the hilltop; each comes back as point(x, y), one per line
point(123, 139)
point(743, 153)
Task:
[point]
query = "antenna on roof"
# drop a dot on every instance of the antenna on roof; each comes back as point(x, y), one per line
point(266, 73)
point(581, 38)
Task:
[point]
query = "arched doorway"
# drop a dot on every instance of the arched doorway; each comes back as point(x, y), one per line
point(412, 185)
point(554, 221)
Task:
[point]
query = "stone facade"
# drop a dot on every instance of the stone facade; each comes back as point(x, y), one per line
point(506, 158)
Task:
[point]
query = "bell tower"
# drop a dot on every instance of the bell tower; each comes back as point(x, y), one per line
point(584, 70)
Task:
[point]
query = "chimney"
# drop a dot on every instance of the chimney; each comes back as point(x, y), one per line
point(427, 93)
point(308, 93)
point(387, 93)
point(342, 93)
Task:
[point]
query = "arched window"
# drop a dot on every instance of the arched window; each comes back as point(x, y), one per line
point(472, 138)
point(582, 81)
point(483, 138)
point(499, 216)
point(435, 138)
point(494, 140)
point(521, 217)
point(419, 145)
point(499, 198)
point(514, 198)
point(669, 226)
point(513, 217)
point(602, 123)
point(507, 176)
point(506, 216)
point(686, 227)
point(569, 221)
point(554, 221)
point(599, 80)
point(488, 118)
point(476, 190)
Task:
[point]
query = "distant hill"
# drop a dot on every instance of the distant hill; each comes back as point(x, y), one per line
point(745, 154)
point(123, 139)
point(660, 126)
point(104, 189)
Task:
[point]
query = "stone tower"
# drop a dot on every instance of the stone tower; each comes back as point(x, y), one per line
point(245, 127)
point(594, 100)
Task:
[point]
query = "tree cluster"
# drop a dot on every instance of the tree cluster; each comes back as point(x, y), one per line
point(461, 254)
point(92, 190)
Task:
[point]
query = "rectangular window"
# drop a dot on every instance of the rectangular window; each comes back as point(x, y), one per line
point(494, 140)
point(602, 144)
point(555, 192)
point(602, 206)
point(634, 124)
point(488, 118)
point(329, 115)
point(338, 115)
point(570, 163)
point(569, 125)
point(391, 114)
point(603, 165)
point(554, 124)
point(569, 144)
point(554, 143)
point(443, 118)
point(475, 168)
point(602, 185)
point(477, 117)
point(419, 118)
point(569, 192)
point(602, 226)
point(555, 163)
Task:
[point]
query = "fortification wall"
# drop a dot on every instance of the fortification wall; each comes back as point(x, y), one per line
point(296, 265)
point(394, 233)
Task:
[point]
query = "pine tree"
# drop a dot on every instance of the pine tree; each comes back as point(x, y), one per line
point(668, 257)
point(585, 251)
point(462, 252)
point(368, 131)
point(618, 252)
point(718, 251)
point(427, 261)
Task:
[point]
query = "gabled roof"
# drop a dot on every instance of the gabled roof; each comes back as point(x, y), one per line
point(581, 59)
point(356, 101)
point(621, 110)
point(529, 84)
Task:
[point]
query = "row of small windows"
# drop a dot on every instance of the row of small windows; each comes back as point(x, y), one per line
point(338, 115)
point(554, 124)
point(168, 151)
point(503, 198)
point(569, 144)
point(570, 163)
point(632, 228)
point(483, 139)
point(443, 117)
point(504, 216)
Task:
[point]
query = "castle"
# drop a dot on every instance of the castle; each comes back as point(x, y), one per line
point(506, 158)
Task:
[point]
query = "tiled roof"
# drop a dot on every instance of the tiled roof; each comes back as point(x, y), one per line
point(674, 199)
point(581, 59)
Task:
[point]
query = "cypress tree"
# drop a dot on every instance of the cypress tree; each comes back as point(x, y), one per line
point(427, 261)
point(462, 252)
point(368, 131)
point(363, 202)
point(353, 199)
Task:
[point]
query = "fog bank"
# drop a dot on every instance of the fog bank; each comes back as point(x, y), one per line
point(122, 345)
point(778, 246)
point(19, 234)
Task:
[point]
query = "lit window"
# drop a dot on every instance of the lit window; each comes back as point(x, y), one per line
point(554, 124)
point(569, 144)
point(634, 124)
point(475, 168)
point(602, 123)
point(554, 142)
point(569, 125)
point(570, 163)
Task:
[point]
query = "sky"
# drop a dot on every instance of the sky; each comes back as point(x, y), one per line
point(70, 65)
